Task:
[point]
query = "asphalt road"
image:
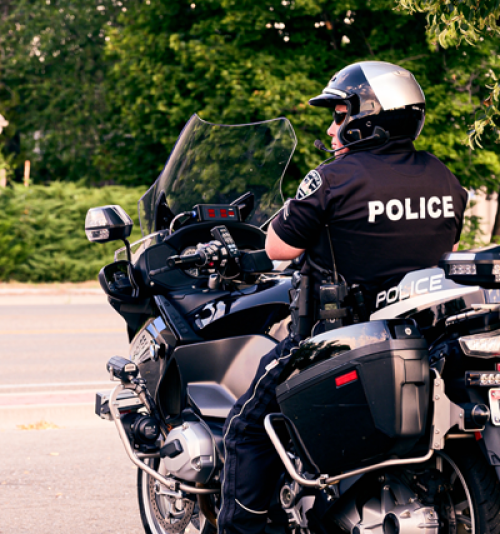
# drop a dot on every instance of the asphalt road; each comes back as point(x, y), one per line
point(62, 470)
point(60, 342)
point(68, 480)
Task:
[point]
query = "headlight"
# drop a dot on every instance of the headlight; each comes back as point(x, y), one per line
point(482, 345)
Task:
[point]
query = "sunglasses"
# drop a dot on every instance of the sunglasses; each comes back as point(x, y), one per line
point(338, 117)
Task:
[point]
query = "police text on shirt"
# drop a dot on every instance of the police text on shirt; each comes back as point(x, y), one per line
point(395, 209)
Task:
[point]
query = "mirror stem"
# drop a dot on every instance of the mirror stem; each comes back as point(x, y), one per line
point(127, 248)
point(135, 288)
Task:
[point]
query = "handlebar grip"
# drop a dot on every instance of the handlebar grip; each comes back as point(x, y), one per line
point(177, 261)
point(188, 259)
point(154, 272)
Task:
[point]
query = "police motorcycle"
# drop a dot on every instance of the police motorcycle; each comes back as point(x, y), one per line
point(388, 422)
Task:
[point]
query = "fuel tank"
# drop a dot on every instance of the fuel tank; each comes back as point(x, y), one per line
point(253, 310)
point(190, 319)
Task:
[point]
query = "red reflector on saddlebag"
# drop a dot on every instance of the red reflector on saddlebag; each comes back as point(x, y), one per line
point(346, 379)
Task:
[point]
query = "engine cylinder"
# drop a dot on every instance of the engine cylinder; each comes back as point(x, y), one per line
point(196, 460)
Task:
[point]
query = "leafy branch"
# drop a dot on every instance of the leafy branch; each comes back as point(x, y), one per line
point(453, 22)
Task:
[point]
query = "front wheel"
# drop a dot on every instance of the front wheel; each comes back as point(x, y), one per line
point(162, 514)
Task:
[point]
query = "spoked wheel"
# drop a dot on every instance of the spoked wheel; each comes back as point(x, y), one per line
point(475, 492)
point(163, 514)
point(454, 493)
point(458, 511)
point(463, 490)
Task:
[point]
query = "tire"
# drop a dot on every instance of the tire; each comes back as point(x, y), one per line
point(484, 488)
point(197, 523)
point(456, 492)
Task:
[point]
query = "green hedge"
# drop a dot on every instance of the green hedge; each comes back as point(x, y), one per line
point(42, 231)
point(42, 235)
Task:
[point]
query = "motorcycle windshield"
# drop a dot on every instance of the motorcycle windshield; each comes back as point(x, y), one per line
point(217, 163)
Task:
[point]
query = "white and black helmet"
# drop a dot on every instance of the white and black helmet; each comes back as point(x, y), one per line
point(381, 98)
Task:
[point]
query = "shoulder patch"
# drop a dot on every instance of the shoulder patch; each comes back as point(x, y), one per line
point(309, 185)
point(286, 209)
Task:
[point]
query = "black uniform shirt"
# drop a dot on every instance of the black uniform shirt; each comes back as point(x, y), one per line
point(389, 211)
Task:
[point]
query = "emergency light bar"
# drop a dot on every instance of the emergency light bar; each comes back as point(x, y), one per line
point(473, 267)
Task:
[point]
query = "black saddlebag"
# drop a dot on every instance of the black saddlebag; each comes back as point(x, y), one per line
point(358, 395)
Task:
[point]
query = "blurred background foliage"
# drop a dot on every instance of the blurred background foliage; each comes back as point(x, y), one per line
point(97, 91)
point(42, 235)
point(452, 23)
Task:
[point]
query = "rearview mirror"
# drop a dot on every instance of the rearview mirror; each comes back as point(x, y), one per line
point(107, 223)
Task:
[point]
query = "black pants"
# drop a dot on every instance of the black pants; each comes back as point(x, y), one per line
point(252, 466)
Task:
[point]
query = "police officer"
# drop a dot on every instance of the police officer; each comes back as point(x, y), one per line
point(377, 211)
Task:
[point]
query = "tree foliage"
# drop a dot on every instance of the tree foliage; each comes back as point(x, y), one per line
point(470, 22)
point(52, 74)
point(100, 89)
point(245, 61)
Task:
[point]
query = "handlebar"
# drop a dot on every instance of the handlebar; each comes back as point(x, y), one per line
point(221, 255)
point(188, 259)
point(213, 254)
point(177, 261)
